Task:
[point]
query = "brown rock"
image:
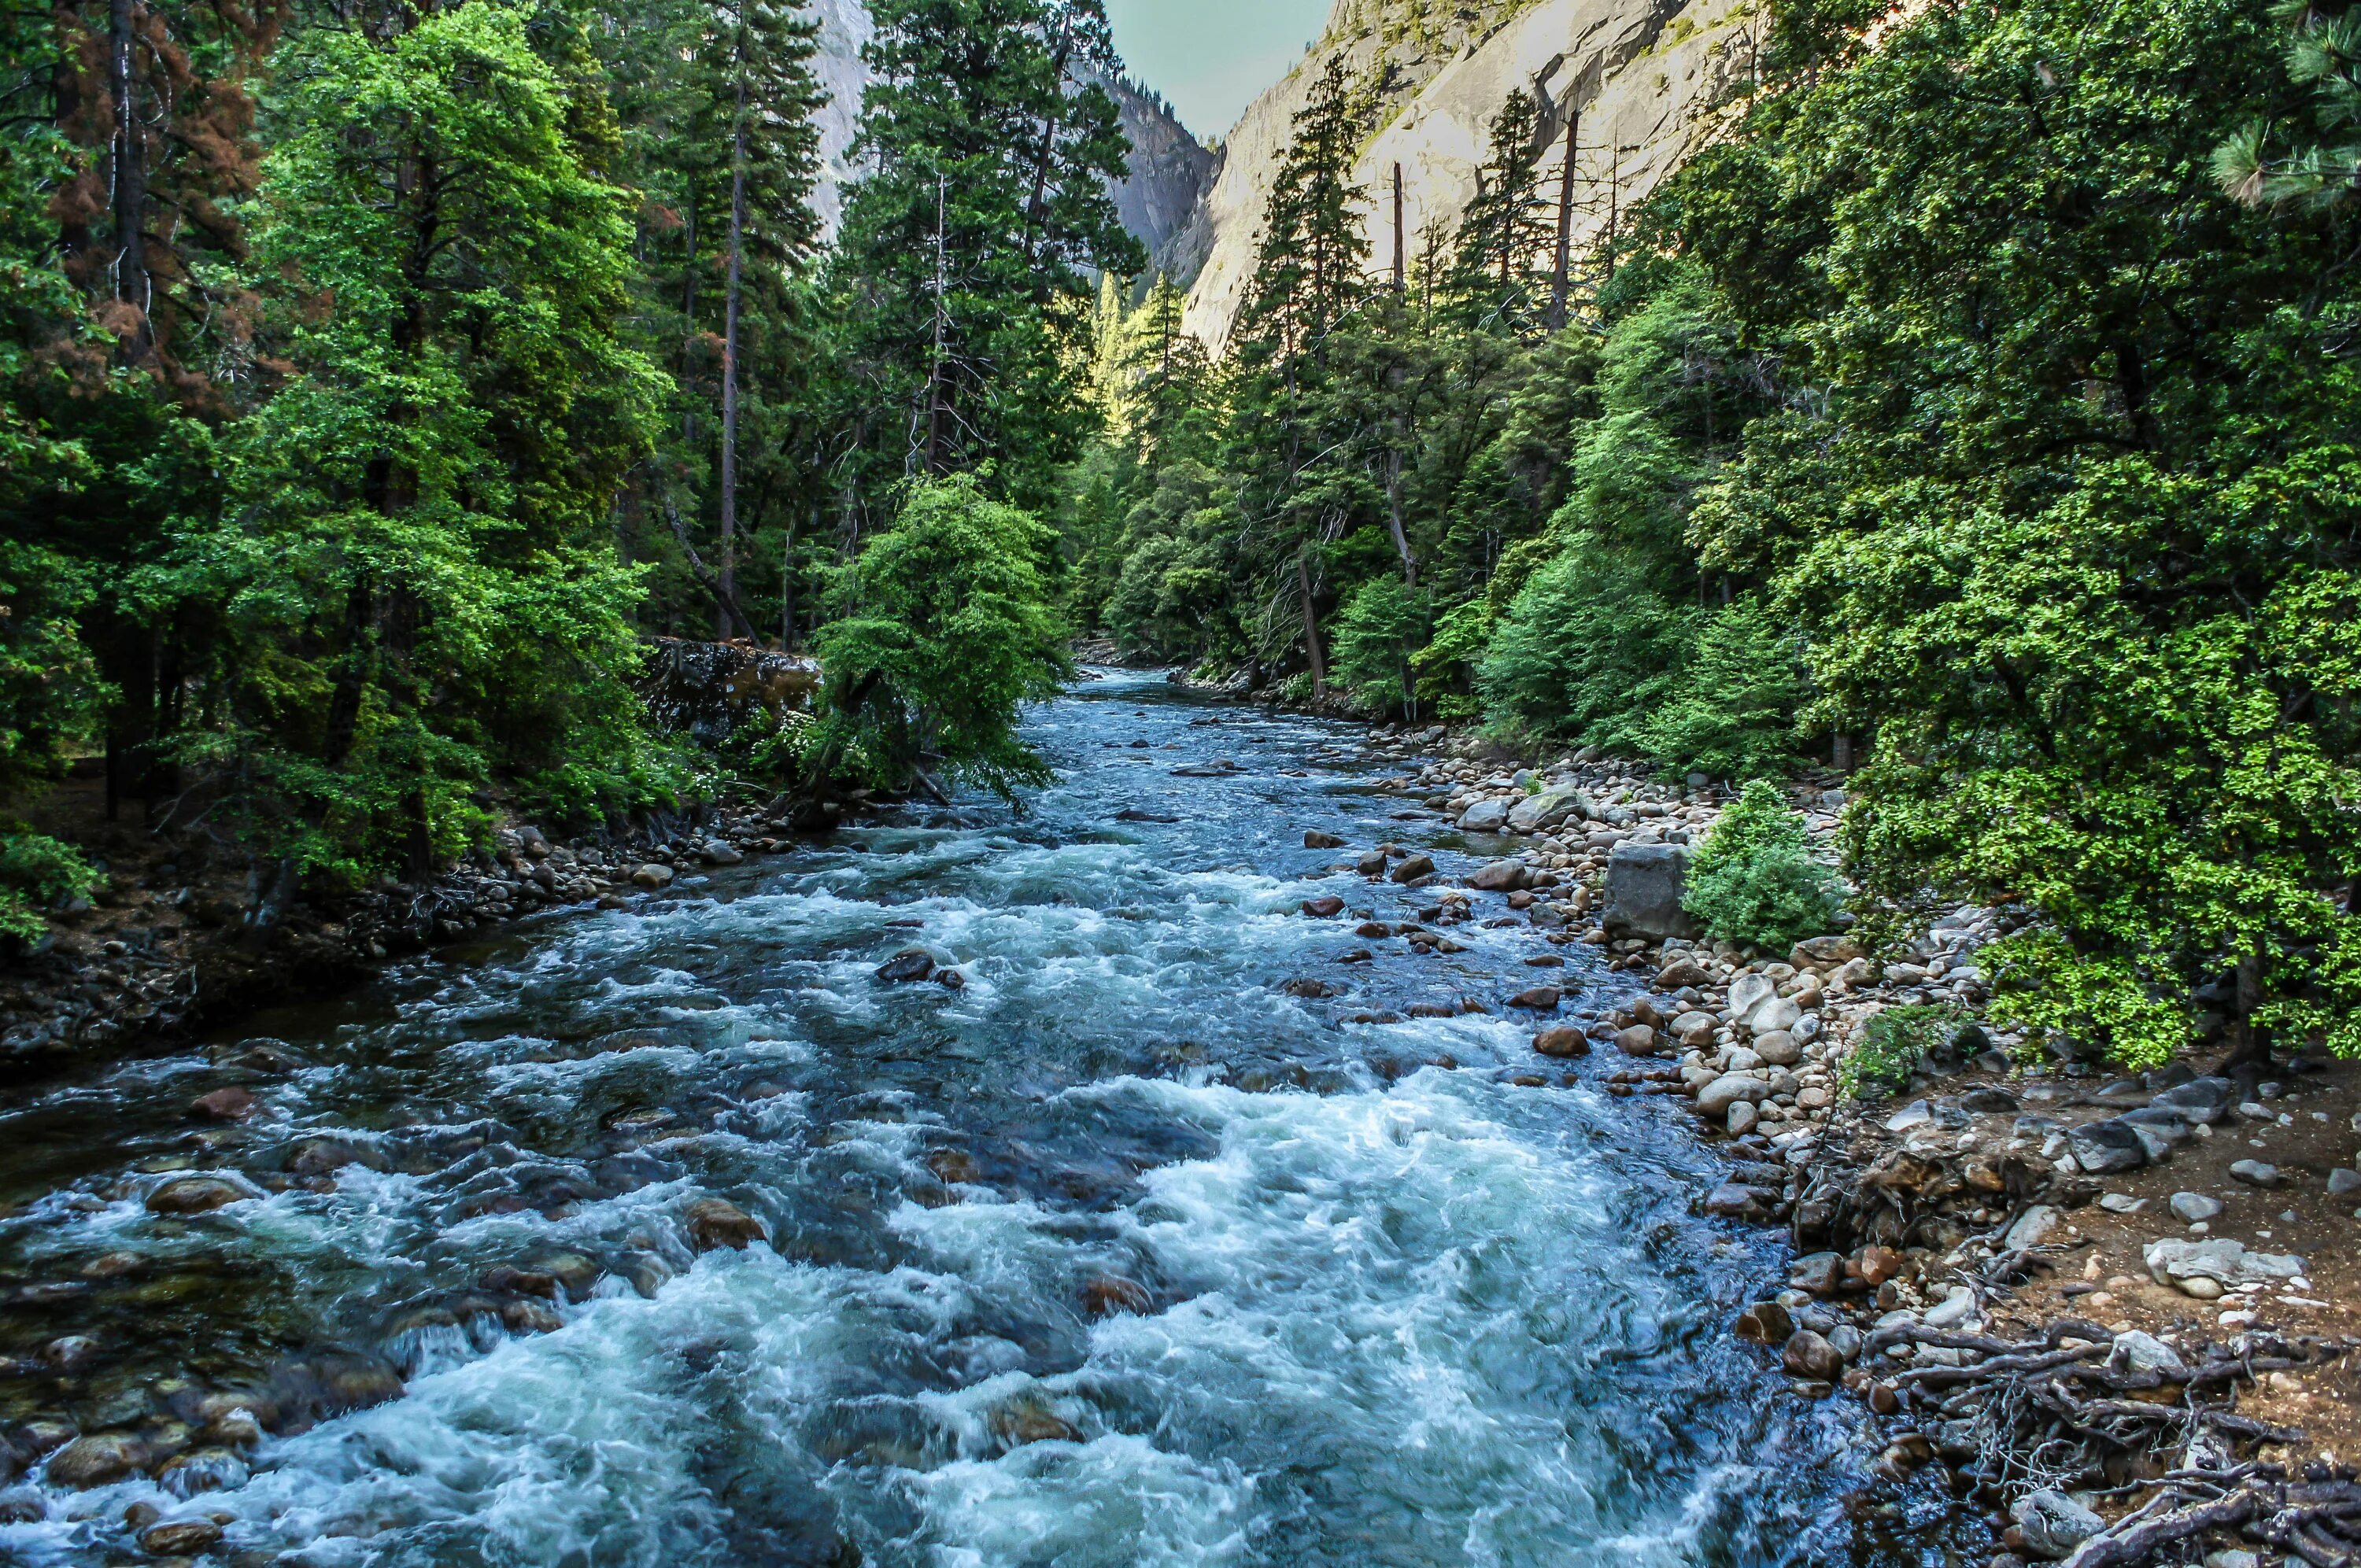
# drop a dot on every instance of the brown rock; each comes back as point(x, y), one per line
point(195, 1195)
point(1682, 972)
point(1498, 876)
point(1638, 1040)
point(1111, 1293)
point(1873, 1265)
point(1809, 1355)
point(714, 1223)
point(230, 1104)
point(1765, 1322)
point(1415, 867)
point(1562, 1042)
point(1324, 909)
point(1540, 999)
point(1315, 839)
point(183, 1537)
point(96, 1461)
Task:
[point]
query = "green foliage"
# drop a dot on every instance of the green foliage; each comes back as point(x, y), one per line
point(1732, 714)
point(2323, 56)
point(412, 572)
point(1753, 879)
point(49, 692)
point(1373, 642)
point(2066, 495)
point(36, 869)
point(947, 630)
point(1893, 1044)
point(1589, 649)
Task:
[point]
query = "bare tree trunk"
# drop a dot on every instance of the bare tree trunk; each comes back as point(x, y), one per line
point(935, 364)
point(1394, 518)
point(1311, 624)
point(1401, 246)
point(1564, 225)
point(729, 565)
point(132, 284)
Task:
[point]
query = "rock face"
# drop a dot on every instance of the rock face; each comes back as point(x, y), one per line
point(1158, 200)
point(1646, 76)
point(1644, 884)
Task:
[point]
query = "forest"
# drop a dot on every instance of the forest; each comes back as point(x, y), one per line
point(1975, 413)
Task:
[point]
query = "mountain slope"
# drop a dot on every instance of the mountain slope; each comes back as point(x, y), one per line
point(1646, 77)
point(1170, 167)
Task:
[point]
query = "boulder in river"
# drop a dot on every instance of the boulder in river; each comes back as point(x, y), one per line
point(1638, 1040)
point(1807, 1354)
point(97, 1460)
point(231, 1104)
point(1540, 999)
point(1498, 876)
point(1645, 883)
point(195, 1195)
point(911, 964)
point(1485, 817)
point(653, 875)
point(1315, 839)
point(1562, 1041)
point(715, 1223)
point(1324, 909)
point(1547, 809)
point(1412, 868)
point(181, 1537)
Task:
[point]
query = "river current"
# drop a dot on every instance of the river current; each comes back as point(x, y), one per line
point(1122, 1255)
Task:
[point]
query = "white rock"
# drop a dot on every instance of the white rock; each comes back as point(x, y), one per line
point(1952, 1310)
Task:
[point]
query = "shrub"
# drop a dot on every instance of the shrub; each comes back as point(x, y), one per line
point(36, 869)
point(1585, 650)
point(1755, 879)
point(1892, 1045)
point(948, 632)
point(1734, 713)
point(1383, 625)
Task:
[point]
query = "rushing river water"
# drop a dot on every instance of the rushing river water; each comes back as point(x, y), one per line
point(1122, 1256)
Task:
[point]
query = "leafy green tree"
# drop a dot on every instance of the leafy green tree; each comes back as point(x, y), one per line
point(963, 272)
point(414, 571)
point(1381, 629)
point(1753, 879)
point(2065, 489)
point(1589, 649)
point(1732, 713)
point(947, 630)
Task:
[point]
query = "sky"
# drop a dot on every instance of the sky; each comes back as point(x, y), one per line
point(1212, 57)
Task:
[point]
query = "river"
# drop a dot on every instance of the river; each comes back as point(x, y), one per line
point(1122, 1255)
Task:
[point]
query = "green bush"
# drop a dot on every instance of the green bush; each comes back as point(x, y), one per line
point(1755, 879)
point(1382, 626)
point(1587, 650)
point(36, 869)
point(947, 631)
point(1734, 714)
point(1893, 1044)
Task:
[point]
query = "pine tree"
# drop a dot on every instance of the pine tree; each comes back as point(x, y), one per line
point(1504, 233)
point(961, 276)
point(1311, 264)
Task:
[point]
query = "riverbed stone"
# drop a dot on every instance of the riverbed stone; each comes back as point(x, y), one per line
point(1562, 1041)
point(2033, 1227)
point(181, 1537)
point(2195, 1208)
point(2344, 1181)
point(98, 1460)
point(1638, 1040)
point(234, 1104)
point(1715, 1099)
point(195, 1195)
point(1537, 999)
point(1765, 1322)
point(2103, 1147)
point(1487, 815)
point(2146, 1353)
point(1497, 876)
point(1645, 883)
point(1412, 868)
point(653, 875)
point(1682, 973)
point(1778, 1048)
point(1748, 991)
point(715, 1223)
point(1808, 1354)
point(2201, 1099)
point(1547, 809)
point(721, 852)
point(1325, 907)
point(1313, 839)
point(1740, 1119)
point(2054, 1524)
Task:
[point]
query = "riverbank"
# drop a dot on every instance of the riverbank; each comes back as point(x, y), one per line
point(2109, 1313)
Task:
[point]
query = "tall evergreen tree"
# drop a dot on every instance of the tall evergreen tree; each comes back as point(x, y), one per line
point(962, 274)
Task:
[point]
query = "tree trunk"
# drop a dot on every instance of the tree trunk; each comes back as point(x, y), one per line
point(1401, 246)
point(935, 364)
point(1394, 518)
point(1037, 207)
point(1558, 272)
point(130, 169)
point(729, 563)
point(1311, 624)
point(2250, 1043)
